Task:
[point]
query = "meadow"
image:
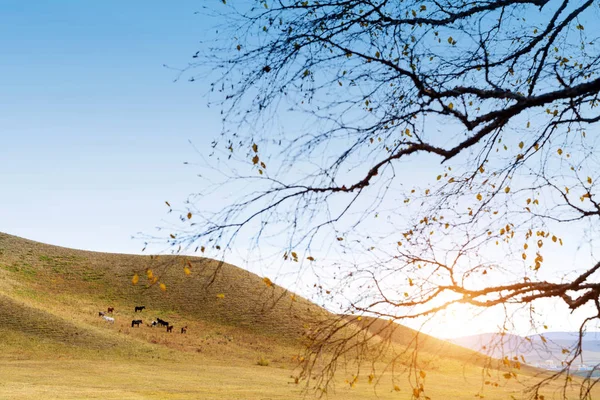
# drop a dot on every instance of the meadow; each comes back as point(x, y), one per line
point(243, 341)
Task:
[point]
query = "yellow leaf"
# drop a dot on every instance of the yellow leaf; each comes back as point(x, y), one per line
point(521, 145)
point(396, 388)
point(255, 160)
point(310, 258)
point(267, 281)
point(507, 189)
point(451, 106)
point(187, 270)
point(422, 374)
point(439, 177)
point(255, 148)
point(589, 180)
point(220, 296)
point(172, 236)
point(479, 196)
point(135, 279)
point(294, 255)
point(189, 215)
point(481, 169)
point(559, 151)
point(524, 256)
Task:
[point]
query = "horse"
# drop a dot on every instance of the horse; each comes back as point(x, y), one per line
point(162, 322)
point(110, 309)
point(101, 313)
point(109, 319)
point(139, 308)
point(184, 329)
point(136, 322)
point(153, 324)
point(170, 328)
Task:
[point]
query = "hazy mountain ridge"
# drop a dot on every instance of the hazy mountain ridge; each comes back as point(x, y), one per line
point(546, 350)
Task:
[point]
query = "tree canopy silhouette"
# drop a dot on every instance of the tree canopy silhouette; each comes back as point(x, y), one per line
point(412, 154)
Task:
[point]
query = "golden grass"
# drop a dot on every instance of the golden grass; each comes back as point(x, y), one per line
point(241, 346)
point(118, 378)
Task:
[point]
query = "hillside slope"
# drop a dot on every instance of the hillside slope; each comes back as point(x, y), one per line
point(218, 300)
point(235, 297)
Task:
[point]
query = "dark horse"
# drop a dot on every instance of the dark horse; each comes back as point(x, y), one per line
point(170, 328)
point(101, 313)
point(136, 322)
point(184, 329)
point(139, 308)
point(162, 322)
point(110, 309)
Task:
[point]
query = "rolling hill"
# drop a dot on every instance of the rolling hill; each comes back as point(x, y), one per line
point(50, 298)
point(50, 283)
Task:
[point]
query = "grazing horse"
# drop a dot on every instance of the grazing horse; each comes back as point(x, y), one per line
point(170, 328)
point(109, 319)
point(162, 322)
point(110, 309)
point(184, 329)
point(153, 324)
point(139, 308)
point(101, 313)
point(136, 322)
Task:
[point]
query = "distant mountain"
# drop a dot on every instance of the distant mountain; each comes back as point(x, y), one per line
point(545, 350)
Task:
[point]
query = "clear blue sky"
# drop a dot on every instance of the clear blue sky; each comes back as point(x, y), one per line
point(93, 130)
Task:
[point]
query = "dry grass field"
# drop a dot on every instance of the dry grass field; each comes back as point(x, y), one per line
point(54, 345)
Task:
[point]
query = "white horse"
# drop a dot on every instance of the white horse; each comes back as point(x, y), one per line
point(109, 319)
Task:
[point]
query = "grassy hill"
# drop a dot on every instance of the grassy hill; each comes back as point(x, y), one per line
point(57, 282)
point(244, 334)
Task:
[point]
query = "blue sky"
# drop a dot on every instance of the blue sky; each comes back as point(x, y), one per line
point(93, 130)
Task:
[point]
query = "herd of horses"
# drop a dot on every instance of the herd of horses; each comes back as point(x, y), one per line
point(138, 322)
